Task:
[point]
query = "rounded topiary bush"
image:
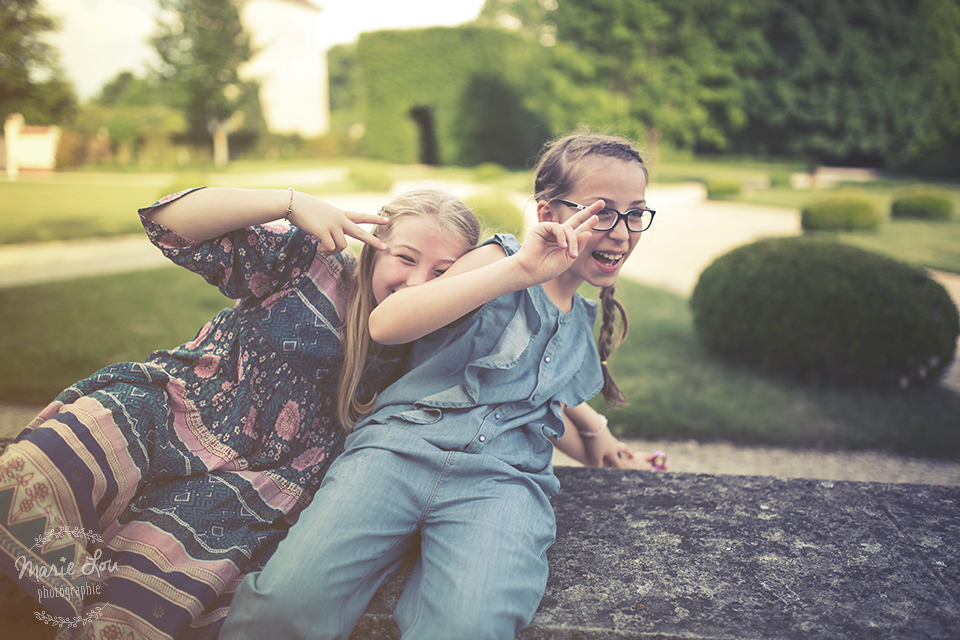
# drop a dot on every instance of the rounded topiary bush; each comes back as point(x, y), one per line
point(841, 212)
point(821, 311)
point(922, 205)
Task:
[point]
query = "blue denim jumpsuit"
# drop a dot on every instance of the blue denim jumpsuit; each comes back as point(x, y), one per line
point(455, 459)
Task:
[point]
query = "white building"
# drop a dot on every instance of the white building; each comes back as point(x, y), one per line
point(290, 64)
point(28, 148)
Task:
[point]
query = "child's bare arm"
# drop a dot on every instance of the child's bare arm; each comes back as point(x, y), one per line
point(587, 430)
point(478, 277)
point(208, 213)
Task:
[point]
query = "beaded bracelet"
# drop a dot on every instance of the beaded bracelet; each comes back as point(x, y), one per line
point(594, 434)
point(289, 206)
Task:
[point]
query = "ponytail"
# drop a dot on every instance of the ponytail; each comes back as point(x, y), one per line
point(610, 307)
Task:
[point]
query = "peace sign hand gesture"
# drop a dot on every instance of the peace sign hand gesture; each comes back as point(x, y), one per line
point(331, 225)
point(552, 247)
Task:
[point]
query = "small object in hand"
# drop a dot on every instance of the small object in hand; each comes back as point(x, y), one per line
point(658, 461)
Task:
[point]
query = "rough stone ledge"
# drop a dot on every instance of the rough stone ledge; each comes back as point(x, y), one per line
point(646, 555)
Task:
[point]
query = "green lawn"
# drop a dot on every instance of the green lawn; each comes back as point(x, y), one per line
point(55, 334)
point(41, 211)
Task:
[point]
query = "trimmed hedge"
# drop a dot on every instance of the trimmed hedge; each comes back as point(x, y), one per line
point(841, 212)
point(922, 205)
point(465, 86)
point(721, 189)
point(820, 311)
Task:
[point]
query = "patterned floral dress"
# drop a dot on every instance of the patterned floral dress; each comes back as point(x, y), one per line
point(175, 477)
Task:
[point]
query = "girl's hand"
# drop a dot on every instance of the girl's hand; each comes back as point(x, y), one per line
point(605, 450)
point(330, 225)
point(551, 247)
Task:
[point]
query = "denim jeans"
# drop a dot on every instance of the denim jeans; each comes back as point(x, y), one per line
point(484, 530)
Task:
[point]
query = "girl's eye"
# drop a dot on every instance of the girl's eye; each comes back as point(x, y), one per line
point(439, 272)
point(406, 259)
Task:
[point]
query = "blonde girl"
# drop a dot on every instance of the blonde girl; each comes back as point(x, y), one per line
point(180, 475)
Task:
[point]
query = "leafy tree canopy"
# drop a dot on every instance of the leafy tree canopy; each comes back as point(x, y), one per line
point(31, 81)
point(679, 64)
point(859, 81)
point(202, 44)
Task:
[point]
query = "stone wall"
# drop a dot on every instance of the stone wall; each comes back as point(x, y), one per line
point(649, 555)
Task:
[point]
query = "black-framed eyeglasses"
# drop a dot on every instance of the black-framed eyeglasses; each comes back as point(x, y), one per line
point(637, 220)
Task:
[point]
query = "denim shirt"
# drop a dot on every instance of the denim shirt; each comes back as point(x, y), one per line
point(495, 383)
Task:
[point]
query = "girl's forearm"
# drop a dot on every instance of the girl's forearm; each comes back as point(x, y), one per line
point(414, 312)
point(214, 211)
point(570, 443)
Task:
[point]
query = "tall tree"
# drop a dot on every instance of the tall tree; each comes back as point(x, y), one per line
point(861, 81)
point(202, 45)
point(533, 17)
point(567, 88)
point(31, 81)
point(941, 129)
point(679, 64)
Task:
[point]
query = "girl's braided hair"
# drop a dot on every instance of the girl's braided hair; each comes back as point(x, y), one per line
point(557, 172)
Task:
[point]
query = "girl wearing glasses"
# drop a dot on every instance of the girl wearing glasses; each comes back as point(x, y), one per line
point(455, 458)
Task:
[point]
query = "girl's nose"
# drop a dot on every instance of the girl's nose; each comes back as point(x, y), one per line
point(417, 276)
point(620, 230)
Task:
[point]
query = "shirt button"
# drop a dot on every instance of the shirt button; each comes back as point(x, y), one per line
point(482, 438)
point(547, 359)
point(496, 416)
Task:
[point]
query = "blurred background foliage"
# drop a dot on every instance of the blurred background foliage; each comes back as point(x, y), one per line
point(826, 82)
point(742, 95)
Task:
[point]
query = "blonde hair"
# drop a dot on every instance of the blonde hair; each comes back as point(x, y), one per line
point(556, 175)
point(435, 203)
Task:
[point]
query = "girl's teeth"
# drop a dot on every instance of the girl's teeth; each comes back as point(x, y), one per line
point(612, 257)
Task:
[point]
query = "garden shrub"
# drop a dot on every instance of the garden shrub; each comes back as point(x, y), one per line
point(841, 212)
point(821, 311)
point(497, 212)
point(720, 189)
point(922, 205)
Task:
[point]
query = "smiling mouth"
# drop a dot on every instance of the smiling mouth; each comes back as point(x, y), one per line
point(607, 259)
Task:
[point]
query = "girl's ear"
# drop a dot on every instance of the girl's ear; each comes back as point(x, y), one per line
point(545, 212)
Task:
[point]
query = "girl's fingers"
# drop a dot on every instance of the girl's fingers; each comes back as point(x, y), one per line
point(365, 218)
point(358, 232)
point(554, 231)
point(584, 215)
point(339, 240)
point(573, 244)
point(326, 242)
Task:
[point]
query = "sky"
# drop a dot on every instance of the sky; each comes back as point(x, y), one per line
point(100, 38)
